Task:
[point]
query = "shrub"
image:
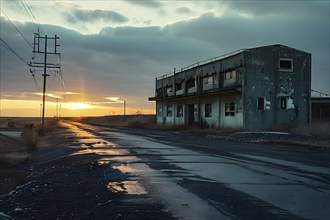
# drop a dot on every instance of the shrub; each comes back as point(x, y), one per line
point(30, 138)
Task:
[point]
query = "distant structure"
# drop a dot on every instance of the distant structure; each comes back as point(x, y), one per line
point(321, 108)
point(255, 89)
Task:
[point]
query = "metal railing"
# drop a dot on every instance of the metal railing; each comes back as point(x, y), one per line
point(202, 63)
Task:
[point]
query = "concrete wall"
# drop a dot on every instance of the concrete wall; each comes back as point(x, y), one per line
point(264, 79)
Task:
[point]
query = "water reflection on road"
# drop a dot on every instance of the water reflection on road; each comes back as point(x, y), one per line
point(293, 188)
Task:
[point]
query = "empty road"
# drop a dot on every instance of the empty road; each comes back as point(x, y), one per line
point(203, 177)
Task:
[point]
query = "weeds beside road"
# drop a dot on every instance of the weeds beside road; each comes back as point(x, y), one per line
point(16, 150)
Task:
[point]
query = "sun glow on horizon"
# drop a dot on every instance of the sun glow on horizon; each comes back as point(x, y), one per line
point(32, 108)
point(79, 106)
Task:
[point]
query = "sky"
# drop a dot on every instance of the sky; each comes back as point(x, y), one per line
point(112, 51)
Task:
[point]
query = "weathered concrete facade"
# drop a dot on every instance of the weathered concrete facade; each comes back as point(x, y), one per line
point(254, 89)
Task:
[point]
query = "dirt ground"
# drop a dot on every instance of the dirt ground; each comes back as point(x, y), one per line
point(56, 184)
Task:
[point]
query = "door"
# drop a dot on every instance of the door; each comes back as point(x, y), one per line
point(191, 115)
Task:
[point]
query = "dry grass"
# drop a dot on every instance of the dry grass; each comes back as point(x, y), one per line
point(12, 159)
point(32, 133)
point(319, 129)
point(149, 122)
point(133, 121)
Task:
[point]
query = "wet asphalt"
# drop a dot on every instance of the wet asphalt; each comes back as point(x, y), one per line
point(95, 172)
point(207, 177)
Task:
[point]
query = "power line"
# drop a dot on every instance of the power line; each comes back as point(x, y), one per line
point(17, 29)
point(5, 45)
point(26, 10)
point(35, 82)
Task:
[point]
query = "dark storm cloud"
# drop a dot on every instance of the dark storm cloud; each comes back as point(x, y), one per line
point(146, 3)
point(124, 61)
point(183, 10)
point(90, 16)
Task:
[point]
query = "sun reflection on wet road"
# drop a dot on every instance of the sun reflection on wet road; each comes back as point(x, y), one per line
point(129, 187)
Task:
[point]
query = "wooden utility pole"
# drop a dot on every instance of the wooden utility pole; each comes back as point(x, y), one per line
point(44, 64)
point(124, 107)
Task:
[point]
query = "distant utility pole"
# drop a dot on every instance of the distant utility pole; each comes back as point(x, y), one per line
point(124, 107)
point(37, 49)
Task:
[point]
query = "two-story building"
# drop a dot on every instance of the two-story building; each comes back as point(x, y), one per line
point(254, 89)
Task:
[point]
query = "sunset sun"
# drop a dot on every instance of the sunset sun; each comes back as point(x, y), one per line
point(78, 106)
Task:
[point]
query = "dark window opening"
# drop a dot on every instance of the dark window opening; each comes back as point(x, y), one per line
point(283, 102)
point(190, 83)
point(208, 110)
point(169, 111)
point(230, 109)
point(286, 64)
point(178, 86)
point(261, 104)
point(179, 111)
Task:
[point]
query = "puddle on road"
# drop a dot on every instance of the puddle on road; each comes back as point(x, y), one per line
point(129, 187)
point(121, 159)
point(126, 169)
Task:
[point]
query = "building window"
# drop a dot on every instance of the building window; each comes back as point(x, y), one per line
point(230, 75)
point(283, 103)
point(208, 80)
point(160, 112)
point(208, 110)
point(261, 104)
point(230, 109)
point(178, 86)
point(190, 83)
point(286, 64)
point(169, 111)
point(179, 111)
point(169, 89)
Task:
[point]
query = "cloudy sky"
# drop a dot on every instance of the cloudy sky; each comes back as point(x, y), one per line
point(112, 51)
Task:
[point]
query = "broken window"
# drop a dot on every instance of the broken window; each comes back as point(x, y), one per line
point(169, 111)
point(208, 110)
point(230, 75)
point(169, 89)
point(208, 80)
point(178, 86)
point(261, 104)
point(190, 83)
point(230, 109)
point(179, 111)
point(286, 64)
point(283, 103)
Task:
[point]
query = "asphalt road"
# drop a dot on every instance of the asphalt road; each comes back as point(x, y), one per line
point(205, 177)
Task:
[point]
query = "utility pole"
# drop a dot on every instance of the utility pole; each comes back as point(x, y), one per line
point(124, 107)
point(57, 110)
point(45, 65)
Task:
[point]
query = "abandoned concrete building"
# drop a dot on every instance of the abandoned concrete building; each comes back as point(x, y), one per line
point(254, 89)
